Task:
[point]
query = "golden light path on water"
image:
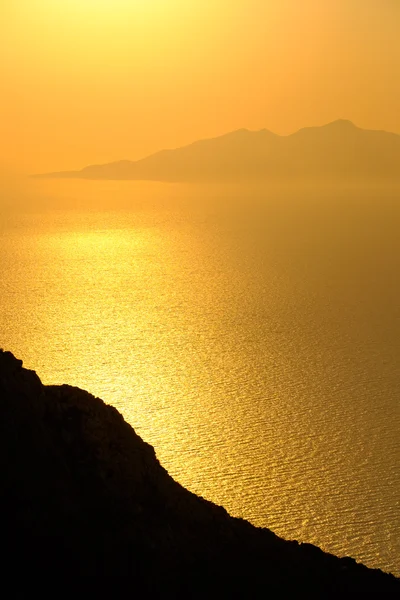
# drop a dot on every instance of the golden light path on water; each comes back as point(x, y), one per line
point(263, 368)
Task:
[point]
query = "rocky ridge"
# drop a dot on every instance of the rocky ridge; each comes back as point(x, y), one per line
point(82, 494)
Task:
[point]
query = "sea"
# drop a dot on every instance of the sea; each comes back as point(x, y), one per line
point(252, 336)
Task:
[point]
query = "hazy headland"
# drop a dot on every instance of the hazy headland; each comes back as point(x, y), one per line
point(337, 153)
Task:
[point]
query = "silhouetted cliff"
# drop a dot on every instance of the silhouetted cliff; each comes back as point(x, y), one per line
point(82, 494)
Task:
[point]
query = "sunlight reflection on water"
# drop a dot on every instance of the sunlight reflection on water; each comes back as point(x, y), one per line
point(263, 367)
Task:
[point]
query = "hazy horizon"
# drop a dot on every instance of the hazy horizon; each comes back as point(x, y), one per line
point(90, 83)
point(251, 131)
point(13, 171)
point(335, 152)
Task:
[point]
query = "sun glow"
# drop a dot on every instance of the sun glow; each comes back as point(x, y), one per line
point(91, 81)
point(110, 8)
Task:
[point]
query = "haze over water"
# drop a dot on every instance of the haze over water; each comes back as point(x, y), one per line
point(249, 331)
point(252, 339)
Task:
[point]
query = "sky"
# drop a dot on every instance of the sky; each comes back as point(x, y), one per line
point(92, 81)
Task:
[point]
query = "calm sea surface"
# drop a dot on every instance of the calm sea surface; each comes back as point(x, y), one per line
point(255, 344)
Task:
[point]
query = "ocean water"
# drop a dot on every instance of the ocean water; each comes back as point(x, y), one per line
point(254, 342)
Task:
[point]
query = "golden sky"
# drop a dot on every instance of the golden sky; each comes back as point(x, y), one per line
point(91, 81)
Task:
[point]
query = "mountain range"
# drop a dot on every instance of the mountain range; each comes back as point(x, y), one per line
point(337, 151)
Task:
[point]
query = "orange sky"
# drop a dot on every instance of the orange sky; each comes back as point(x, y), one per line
point(88, 81)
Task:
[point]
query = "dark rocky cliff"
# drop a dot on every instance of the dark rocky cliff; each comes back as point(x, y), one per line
point(82, 494)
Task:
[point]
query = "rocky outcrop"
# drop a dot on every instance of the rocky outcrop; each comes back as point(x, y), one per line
point(83, 494)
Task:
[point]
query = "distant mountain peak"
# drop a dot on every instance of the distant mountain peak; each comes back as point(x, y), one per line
point(336, 151)
point(342, 124)
point(243, 132)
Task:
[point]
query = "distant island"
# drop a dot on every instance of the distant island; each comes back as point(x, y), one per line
point(83, 494)
point(339, 151)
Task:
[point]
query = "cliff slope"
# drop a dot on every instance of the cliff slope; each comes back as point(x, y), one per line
point(83, 494)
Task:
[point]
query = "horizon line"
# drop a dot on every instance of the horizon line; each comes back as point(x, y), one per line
point(343, 121)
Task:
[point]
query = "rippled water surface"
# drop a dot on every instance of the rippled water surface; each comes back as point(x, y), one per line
point(256, 346)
